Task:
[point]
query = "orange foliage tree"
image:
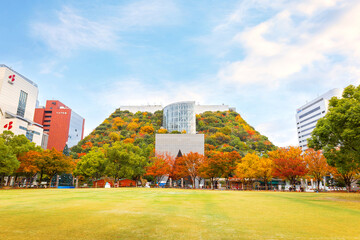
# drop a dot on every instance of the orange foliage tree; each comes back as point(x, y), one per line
point(133, 126)
point(147, 129)
point(118, 123)
point(190, 165)
point(28, 166)
point(212, 167)
point(158, 168)
point(289, 164)
point(317, 165)
point(53, 162)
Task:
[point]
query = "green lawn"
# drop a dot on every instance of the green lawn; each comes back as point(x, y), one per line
point(176, 214)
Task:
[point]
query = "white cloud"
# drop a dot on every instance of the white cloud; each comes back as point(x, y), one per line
point(71, 31)
point(279, 47)
point(136, 92)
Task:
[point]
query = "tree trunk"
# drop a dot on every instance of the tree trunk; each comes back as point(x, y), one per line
point(1, 181)
point(77, 182)
point(41, 176)
point(170, 182)
point(193, 182)
point(182, 182)
point(51, 177)
point(57, 180)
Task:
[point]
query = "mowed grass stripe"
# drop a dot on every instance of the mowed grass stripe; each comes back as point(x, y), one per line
point(176, 214)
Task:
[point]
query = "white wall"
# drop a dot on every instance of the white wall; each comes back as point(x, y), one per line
point(145, 108)
point(10, 93)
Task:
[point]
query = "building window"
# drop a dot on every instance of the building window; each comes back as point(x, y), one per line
point(22, 104)
point(310, 117)
point(309, 112)
point(48, 111)
point(29, 135)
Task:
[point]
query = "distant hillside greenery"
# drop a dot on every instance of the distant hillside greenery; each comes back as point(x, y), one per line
point(224, 131)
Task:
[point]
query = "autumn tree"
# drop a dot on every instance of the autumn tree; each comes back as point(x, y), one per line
point(264, 170)
point(231, 159)
point(317, 165)
point(114, 136)
point(147, 129)
point(162, 130)
point(52, 162)
point(246, 169)
point(118, 122)
point(28, 166)
point(190, 164)
point(17, 145)
point(213, 167)
point(157, 168)
point(289, 164)
point(133, 126)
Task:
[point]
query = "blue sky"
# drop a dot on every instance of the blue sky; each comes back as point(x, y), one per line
point(266, 58)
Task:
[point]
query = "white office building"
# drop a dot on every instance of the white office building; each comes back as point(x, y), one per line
point(18, 98)
point(308, 115)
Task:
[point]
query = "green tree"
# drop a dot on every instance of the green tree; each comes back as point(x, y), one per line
point(92, 165)
point(125, 161)
point(338, 133)
point(8, 161)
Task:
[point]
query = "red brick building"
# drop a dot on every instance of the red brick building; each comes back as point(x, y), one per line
point(63, 125)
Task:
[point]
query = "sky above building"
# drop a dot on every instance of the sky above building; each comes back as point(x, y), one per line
point(264, 57)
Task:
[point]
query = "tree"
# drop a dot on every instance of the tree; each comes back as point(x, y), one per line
point(28, 167)
point(162, 130)
point(92, 165)
point(317, 165)
point(125, 161)
point(190, 164)
point(133, 126)
point(8, 161)
point(246, 169)
point(157, 168)
point(147, 129)
point(52, 162)
point(114, 136)
point(231, 159)
point(264, 170)
point(289, 164)
point(213, 166)
point(338, 133)
point(18, 145)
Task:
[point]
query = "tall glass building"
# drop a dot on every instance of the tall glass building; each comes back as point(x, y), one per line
point(180, 116)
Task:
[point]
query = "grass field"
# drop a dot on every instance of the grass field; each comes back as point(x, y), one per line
point(176, 214)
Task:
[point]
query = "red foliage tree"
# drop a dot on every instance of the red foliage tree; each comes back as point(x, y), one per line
point(289, 164)
point(190, 165)
point(158, 168)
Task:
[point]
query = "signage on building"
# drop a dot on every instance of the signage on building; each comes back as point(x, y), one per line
point(11, 79)
point(61, 112)
point(8, 126)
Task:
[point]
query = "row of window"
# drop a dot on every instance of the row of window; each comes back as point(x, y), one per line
point(307, 129)
point(312, 104)
point(309, 112)
point(304, 135)
point(22, 104)
point(309, 123)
